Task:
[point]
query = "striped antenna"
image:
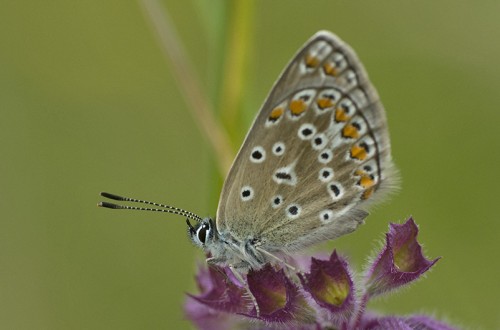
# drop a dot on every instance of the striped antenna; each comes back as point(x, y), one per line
point(164, 208)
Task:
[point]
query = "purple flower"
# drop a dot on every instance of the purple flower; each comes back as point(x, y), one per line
point(278, 297)
point(324, 297)
point(418, 322)
point(331, 286)
point(209, 319)
point(400, 262)
point(221, 292)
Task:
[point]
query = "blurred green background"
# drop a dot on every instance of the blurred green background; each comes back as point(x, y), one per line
point(88, 103)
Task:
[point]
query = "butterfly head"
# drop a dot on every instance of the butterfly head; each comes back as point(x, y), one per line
point(223, 249)
point(203, 233)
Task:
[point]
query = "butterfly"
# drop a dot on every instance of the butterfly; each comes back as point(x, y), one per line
point(316, 156)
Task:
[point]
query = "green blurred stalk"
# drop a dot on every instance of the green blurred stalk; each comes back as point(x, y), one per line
point(236, 61)
point(222, 134)
point(189, 83)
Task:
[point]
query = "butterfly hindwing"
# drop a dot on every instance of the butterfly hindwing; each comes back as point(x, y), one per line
point(315, 155)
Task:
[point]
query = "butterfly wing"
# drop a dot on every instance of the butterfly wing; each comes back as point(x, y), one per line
point(314, 157)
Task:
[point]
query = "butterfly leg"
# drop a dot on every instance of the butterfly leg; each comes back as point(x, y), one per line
point(280, 260)
point(215, 261)
point(212, 262)
point(247, 288)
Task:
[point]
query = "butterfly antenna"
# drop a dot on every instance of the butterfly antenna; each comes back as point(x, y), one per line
point(164, 208)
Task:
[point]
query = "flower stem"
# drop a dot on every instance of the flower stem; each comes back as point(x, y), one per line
point(358, 314)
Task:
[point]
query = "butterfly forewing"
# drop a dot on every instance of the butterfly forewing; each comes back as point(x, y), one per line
point(314, 157)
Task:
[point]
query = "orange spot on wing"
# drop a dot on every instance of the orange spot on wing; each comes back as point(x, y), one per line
point(330, 69)
point(366, 181)
point(276, 113)
point(312, 61)
point(297, 107)
point(358, 152)
point(350, 131)
point(368, 193)
point(359, 173)
point(324, 103)
point(341, 115)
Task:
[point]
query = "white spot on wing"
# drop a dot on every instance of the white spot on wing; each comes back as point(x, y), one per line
point(277, 201)
point(326, 216)
point(335, 190)
point(320, 49)
point(325, 174)
point(293, 211)
point(347, 80)
point(279, 148)
point(306, 131)
point(359, 97)
point(325, 156)
point(286, 175)
point(257, 155)
point(319, 141)
point(370, 167)
point(246, 193)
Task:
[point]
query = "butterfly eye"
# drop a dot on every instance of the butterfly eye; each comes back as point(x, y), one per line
point(203, 232)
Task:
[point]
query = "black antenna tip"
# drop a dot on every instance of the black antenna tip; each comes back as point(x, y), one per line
point(191, 228)
point(112, 196)
point(109, 205)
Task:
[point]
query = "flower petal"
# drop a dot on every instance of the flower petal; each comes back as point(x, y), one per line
point(331, 286)
point(419, 322)
point(400, 262)
point(208, 318)
point(422, 322)
point(391, 323)
point(220, 292)
point(278, 298)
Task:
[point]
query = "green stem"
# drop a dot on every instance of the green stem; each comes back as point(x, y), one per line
point(189, 83)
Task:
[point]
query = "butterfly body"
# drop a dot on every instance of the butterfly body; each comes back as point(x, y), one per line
point(315, 156)
point(225, 249)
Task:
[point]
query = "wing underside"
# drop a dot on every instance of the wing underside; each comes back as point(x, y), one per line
point(315, 156)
